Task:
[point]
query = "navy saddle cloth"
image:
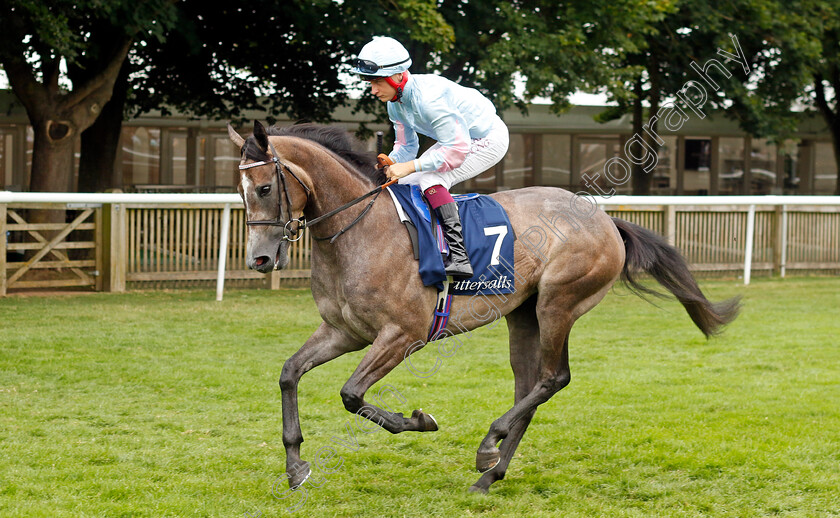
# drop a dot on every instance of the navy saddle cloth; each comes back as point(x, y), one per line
point(488, 236)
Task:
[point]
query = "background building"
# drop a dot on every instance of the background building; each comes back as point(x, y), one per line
point(706, 156)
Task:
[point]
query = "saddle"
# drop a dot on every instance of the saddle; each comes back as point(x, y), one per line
point(488, 236)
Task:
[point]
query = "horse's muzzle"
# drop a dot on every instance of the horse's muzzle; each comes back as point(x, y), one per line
point(262, 264)
point(265, 259)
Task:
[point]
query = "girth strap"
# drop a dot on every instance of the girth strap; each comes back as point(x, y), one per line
point(444, 304)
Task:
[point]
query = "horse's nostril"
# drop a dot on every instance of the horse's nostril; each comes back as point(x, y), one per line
point(261, 260)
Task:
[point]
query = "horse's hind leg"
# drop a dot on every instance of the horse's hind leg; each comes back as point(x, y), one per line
point(553, 375)
point(524, 335)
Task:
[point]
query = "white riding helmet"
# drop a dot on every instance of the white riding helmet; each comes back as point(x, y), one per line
point(382, 57)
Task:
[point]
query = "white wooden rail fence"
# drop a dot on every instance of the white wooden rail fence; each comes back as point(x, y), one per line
point(158, 238)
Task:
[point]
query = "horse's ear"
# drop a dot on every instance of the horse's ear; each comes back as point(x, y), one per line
point(235, 137)
point(261, 136)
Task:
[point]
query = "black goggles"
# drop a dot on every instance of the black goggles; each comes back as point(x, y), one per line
point(365, 66)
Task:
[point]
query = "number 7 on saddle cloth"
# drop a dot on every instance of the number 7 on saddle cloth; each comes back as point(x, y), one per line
point(488, 236)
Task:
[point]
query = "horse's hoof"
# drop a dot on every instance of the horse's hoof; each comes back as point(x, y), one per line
point(300, 474)
point(487, 461)
point(479, 490)
point(427, 421)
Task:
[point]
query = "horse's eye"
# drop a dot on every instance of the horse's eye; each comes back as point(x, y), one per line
point(264, 191)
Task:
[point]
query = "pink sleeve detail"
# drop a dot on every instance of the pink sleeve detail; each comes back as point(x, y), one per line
point(454, 154)
point(400, 136)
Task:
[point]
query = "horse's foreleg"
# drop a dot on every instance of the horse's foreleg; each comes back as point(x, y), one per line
point(386, 352)
point(325, 344)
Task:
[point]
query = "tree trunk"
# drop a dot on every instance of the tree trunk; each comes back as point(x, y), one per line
point(831, 117)
point(52, 157)
point(653, 145)
point(52, 168)
point(640, 180)
point(833, 121)
point(58, 117)
point(835, 133)
point(101, 141)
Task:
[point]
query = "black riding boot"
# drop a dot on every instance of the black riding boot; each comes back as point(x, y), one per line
point(459, 263)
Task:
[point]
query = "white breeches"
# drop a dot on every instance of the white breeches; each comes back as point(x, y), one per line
point(484, 153)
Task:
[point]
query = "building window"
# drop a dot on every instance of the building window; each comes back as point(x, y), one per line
point(731, 176)
point(698, 154)
point(664, 180)
point(825, 168)
point(30, 152)
point(484, 183)
point(697, 163)
point(224, 175)
point(593, 154)
point(140, 148)
point(763, 175)
point(556, 161)
point(519, 162)
point(178, 159)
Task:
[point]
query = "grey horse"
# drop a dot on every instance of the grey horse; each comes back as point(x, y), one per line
point(368, 291)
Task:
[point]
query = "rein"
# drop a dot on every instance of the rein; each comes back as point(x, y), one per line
point(302, 223)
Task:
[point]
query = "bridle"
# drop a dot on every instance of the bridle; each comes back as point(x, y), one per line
point(288, 231)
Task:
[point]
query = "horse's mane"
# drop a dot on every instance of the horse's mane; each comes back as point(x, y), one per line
point(334, 138)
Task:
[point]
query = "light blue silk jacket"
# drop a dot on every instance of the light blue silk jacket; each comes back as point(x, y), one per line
point(443, 110)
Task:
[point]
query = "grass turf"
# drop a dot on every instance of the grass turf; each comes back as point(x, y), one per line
point(167, 404)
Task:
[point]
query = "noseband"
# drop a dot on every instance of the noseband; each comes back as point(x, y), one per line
point(288, 232)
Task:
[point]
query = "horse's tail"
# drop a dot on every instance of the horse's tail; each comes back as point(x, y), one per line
point(649, 252)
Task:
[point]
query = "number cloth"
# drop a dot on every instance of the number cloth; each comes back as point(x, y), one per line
point(488, 237)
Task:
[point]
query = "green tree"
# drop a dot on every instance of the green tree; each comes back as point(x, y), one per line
point(37, 39)
point(641, 53)
point(798, 62)
point(826, 73)
point(559, 48)
point(206, 60)
point(216, 61)
point(497, 44)
point(657, 66)
point(791, 61)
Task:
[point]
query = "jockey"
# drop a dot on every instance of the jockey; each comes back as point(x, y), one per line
point(471, 137)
